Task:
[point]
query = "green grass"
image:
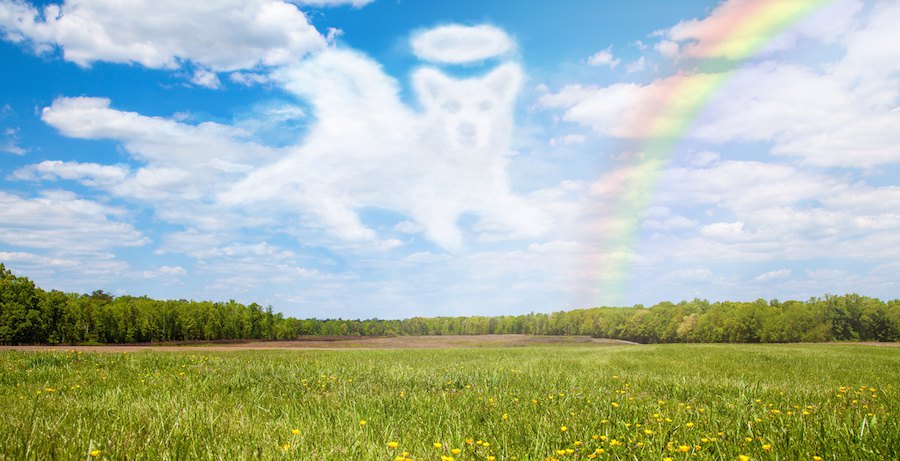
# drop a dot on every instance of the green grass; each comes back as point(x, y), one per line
point(716, 401)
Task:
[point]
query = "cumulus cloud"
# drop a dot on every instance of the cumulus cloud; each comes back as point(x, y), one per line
point(568, 140)
point(840, 115)
point(9, 136)
point(60, 220)
point(780, 274)
point(757, 211)
point(728, 32)
point(206, 78)
point(456, 44)
point(432, 165)
point(181, 161)
point(224, 35)
point(89, 174)
point(637, 65)
point(9, 142)
point(631, 110)
point(165, 272)
point(331, 3)
point(603, 58)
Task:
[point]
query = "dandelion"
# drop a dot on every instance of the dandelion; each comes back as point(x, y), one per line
point(362, 422)
point(648, 432)
point(689, 425)
point(767, 447)
point(817, 458)
point(684, 448)
point(295, 431)
point(437, 445)
point(743, 458)
point(456, 451)
point(563, 428)
point(95, 453)
point(393, 445)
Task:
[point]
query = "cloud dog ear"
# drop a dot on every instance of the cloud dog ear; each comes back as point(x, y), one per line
point(504, 81)
point(430, 84)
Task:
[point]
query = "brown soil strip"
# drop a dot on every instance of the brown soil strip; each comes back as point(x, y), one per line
point(348, 342)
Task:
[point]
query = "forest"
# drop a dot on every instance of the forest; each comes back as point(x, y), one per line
point(32, 315)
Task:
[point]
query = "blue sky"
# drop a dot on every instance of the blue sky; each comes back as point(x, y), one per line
point(390, 159)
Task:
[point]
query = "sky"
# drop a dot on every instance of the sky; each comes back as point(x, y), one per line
point(390, 159)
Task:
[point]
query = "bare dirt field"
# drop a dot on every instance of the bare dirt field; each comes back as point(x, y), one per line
point(347, 342)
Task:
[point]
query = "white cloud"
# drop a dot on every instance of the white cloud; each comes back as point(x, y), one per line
point(331, 3)
point(568, 140)
point(206, 78)
point(64, 270)
point(689, 275)
point(9, 142)
point(181, 161)
point(637, 66)
point(729, 32)
point(431, 166)
point(59, 220)
point(603, 58)
point(630, 110)
point(224, 35)
point(165, 272)
point(814, 116)
point(89, 174)
point(667, 48)
point(780, 274)
point(9, 136)
point(20, 258)
point(836, 115)
point(248, 78)
point(456, 44)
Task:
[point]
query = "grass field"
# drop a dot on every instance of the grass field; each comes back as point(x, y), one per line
point(558, 401)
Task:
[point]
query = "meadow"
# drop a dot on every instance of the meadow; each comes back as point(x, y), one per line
point(559, 401)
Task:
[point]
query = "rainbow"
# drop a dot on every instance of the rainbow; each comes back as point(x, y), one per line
point(744, 29)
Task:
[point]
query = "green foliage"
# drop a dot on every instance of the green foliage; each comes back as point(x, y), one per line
point(716, 402)
point(30, 315)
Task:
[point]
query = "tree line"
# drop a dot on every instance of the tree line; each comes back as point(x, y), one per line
point(31, 315)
